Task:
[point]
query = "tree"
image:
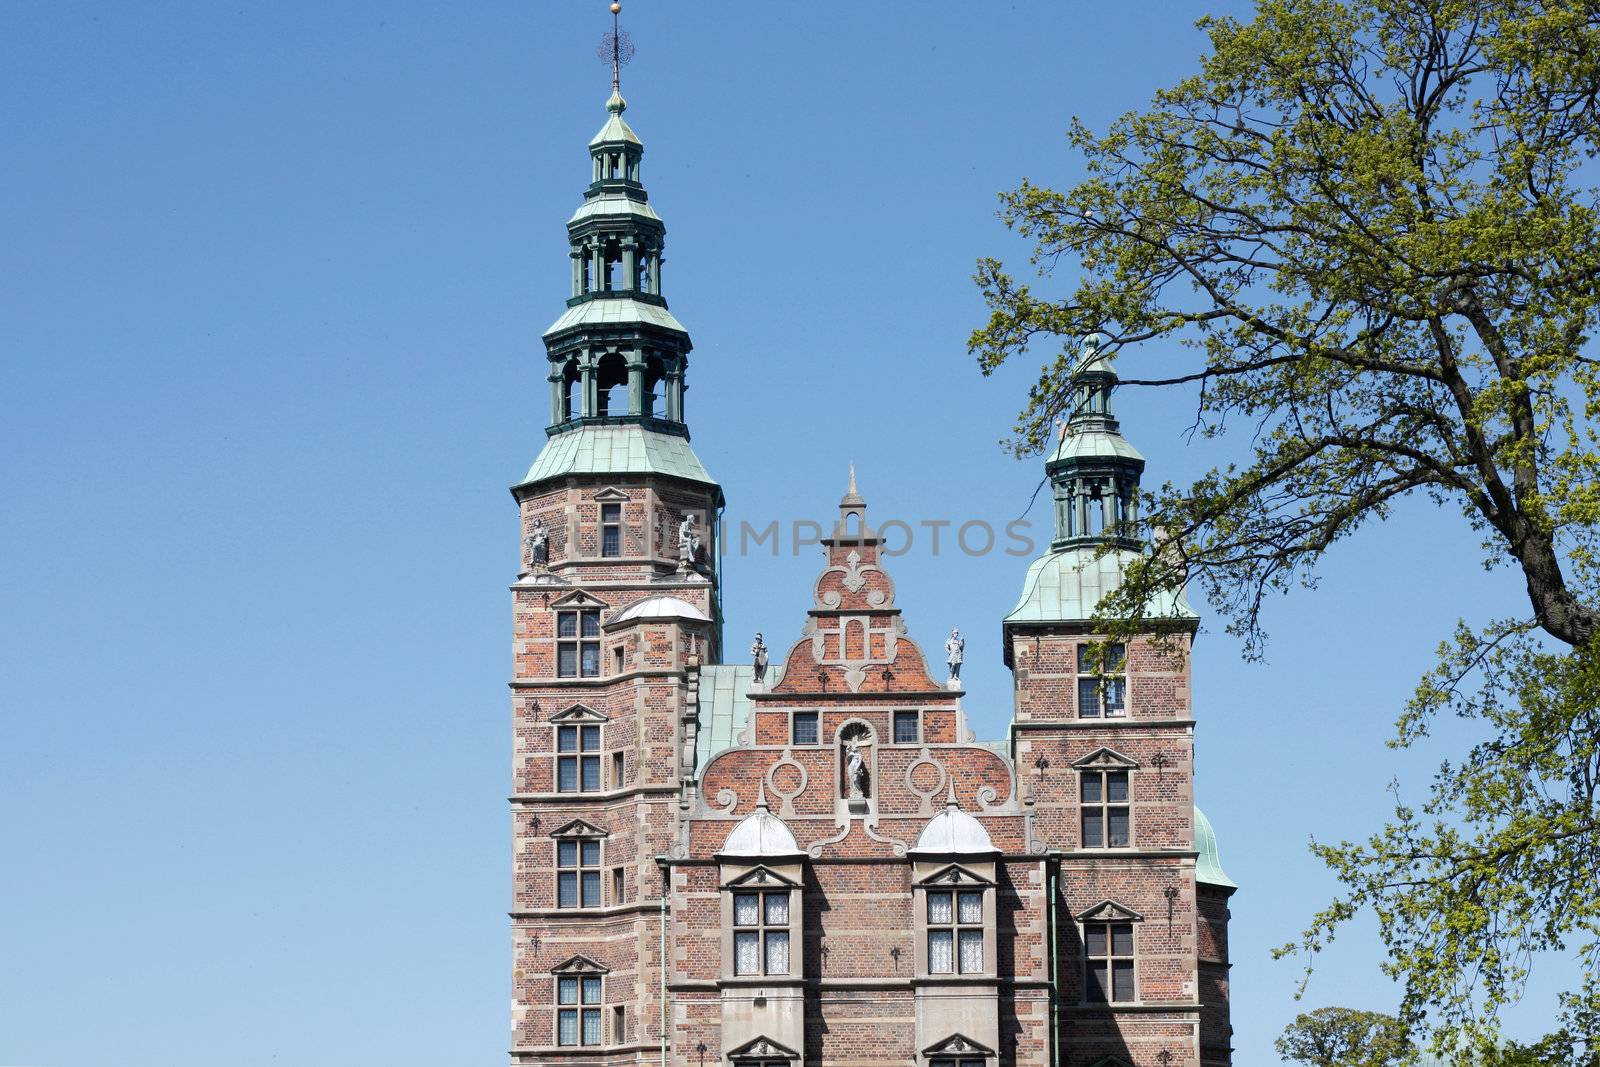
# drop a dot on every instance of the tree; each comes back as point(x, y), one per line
point(1344, 1037)
point(1369, 233)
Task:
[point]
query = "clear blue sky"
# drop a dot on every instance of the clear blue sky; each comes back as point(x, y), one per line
point(275, 276)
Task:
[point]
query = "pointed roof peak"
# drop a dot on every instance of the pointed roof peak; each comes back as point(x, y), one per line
point(852, 496)
point(950, 797)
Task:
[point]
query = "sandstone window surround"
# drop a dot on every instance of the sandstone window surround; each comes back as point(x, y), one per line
point(578, 1015)
point(954, 910)
point(1110, 957)
point(762, 926)
point(577, 739)
point(1102, 681)
point(1105, 798)
point(907, 727)
point(579, 857)
point(763, 1052)
point(803, 728)
point(578, 643)
point(958, 1050)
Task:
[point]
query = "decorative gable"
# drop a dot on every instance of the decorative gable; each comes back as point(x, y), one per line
point(763, 1048)
point(1109, 1061)
point(578, 713)
point(958, 1045)
point(1105, 759)
point(579, 828)
point(578, 599)
point(955, 874)
point(760, 876)
point(611, 495)
point(1110, 911)
point(580, 964)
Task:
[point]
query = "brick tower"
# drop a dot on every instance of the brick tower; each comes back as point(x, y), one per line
point(1141, 942)
point(615, 604)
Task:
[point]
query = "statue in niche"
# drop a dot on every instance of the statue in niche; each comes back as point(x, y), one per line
point(537, 545)
point(688, 543)
point(955, 650)
point(758, 656)
point(857, 782)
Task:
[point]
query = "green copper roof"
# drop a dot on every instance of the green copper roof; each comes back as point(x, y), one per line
point(1085, 444)
point(1067, 586)
point(725, 707)
point(625, 449)
point(613, 310)
point(1208, 866)
point(616, 128)
point(614, 205)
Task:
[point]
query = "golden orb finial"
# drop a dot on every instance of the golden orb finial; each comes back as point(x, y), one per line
point(616, 9)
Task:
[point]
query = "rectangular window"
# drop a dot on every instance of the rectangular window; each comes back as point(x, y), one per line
point(619, 1025)
point(577, 1010)
point(905, 727)
point(619, 885)
point(577, 873)
point(955, 931)
point(578, 643)
point(579, 770)
point(611, 529)
point(804, 729)
point(1105, 799)
point(761, 933)
point(1108, 953)
point(618, 770)
point(1102, 681)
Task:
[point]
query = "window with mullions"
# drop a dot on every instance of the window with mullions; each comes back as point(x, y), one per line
point(1102, 681)
point(577, 759)
point(1105, 809)
point(577, 873)
point(577, 1010)
point(955, 931)
point(611, 529)
point(906, 727)
point(578, 644)
point(761, 933)
point(803, 729)
point(1108, 952)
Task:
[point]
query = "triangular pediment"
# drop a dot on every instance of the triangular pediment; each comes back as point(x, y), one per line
point(763, 1048)
point(1110, 911)
point(580, 964)
point(611, 495)
point(1106, 759)
point(578, 713)
point(578, 599)
point(758, 877)
point(955, 874)
point(1109, 1061)
point(958, 1045)
point(579, 828)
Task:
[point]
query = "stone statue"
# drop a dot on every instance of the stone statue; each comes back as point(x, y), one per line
point(688, 543)
point(855, 770)
point(758, 656)
point(537, 545)
point(955, 651)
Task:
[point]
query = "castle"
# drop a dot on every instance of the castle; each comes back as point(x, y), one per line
point(812, 861)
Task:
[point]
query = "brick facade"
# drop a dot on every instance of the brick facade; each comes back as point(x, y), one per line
point(821, 865)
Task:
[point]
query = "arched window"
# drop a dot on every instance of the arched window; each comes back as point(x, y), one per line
point(611, 381)
point(654, 374)
point(571, 390)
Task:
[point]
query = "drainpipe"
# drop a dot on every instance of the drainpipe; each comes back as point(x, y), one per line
point(1052, 858)
point(666, 882)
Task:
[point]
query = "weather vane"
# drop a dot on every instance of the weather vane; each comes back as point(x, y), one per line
point(616, 47)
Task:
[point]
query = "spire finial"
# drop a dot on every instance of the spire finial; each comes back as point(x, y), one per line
point(761, 794)
point(852, 496)
point(616, 48)
point(950, 797)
